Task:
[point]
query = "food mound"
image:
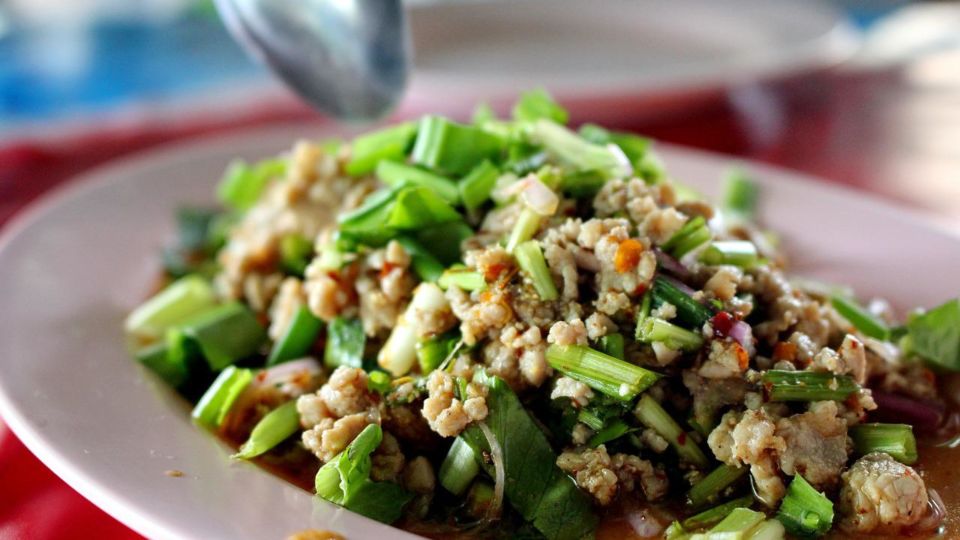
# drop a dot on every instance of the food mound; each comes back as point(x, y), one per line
point(509, 328)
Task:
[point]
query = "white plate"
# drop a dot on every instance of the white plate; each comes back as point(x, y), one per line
point(637, 52)
point(71, 268)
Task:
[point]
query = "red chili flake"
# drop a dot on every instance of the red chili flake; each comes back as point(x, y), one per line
point(722, 323)
point(492, 272)
point(785, 351)
point(386, 269)
point(628, 255)
point(261, 376)
point(641, 288)
point(682, 438)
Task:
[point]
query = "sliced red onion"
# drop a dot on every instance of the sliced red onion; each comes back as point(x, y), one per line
point(303, 368)
point(671, 265)
point(922, 414)
point(936, 513)
point(742, 334)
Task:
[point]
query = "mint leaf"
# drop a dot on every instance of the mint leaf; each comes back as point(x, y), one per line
point(935, 335)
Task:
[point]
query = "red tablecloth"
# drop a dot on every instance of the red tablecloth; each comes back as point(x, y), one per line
point(886, 133)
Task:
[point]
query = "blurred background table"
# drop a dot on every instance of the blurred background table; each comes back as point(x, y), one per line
point(885, 125)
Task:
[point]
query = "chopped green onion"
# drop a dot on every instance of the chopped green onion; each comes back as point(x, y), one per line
point(531, 262)
point(278, 425)
point(860, 318)
point(769, 529)
point(805, 511)
point(652, 415)
point(654, 330)
point(591, 419)
point(740, 253)
point(393, 173)
point(226, 334)
point(536, 104)
point(428, 267)
point(613, 345)
point(479, 499)
point(604, 373)
point(476, 187)
point(689, 311)
point(432, 352)
point(636, 148)
point(582, 184)
point(463, 278)
point(617, 428)
point(459, 468)
point(379, 382)
point(196, 229)
point(482, 114)
point(782, 385)
point(217, 400)
point(295, 253)
point(242, 184)
point(346, 342)
point(452, 148)
point(675, 532)
point(692, 235)
point(528, 222)
point(445, 240)
point(419, 207)
point(390, 143)
point(171, 368)
point(712, 485)
point(298, 339)
point(717, 513)
point(577, 152)
point(739, 196)
point(182, 299)
point(896, 440)
point(736, 526)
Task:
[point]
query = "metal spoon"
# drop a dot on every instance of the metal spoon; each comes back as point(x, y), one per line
point(347, 58)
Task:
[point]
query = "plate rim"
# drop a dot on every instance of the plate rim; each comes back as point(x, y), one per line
point(57, 459)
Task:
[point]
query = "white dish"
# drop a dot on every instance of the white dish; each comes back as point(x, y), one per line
point(71, 267)
point(634, 54)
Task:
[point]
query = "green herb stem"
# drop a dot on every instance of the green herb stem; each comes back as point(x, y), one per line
point(860, 318)
point(897, 440)
point(711, 486)
point(532, 264)
point(604, 373)
point(804, 511)
point(652, 415)
point(784, 385)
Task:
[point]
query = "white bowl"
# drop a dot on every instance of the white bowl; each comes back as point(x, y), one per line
point(74, 265)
